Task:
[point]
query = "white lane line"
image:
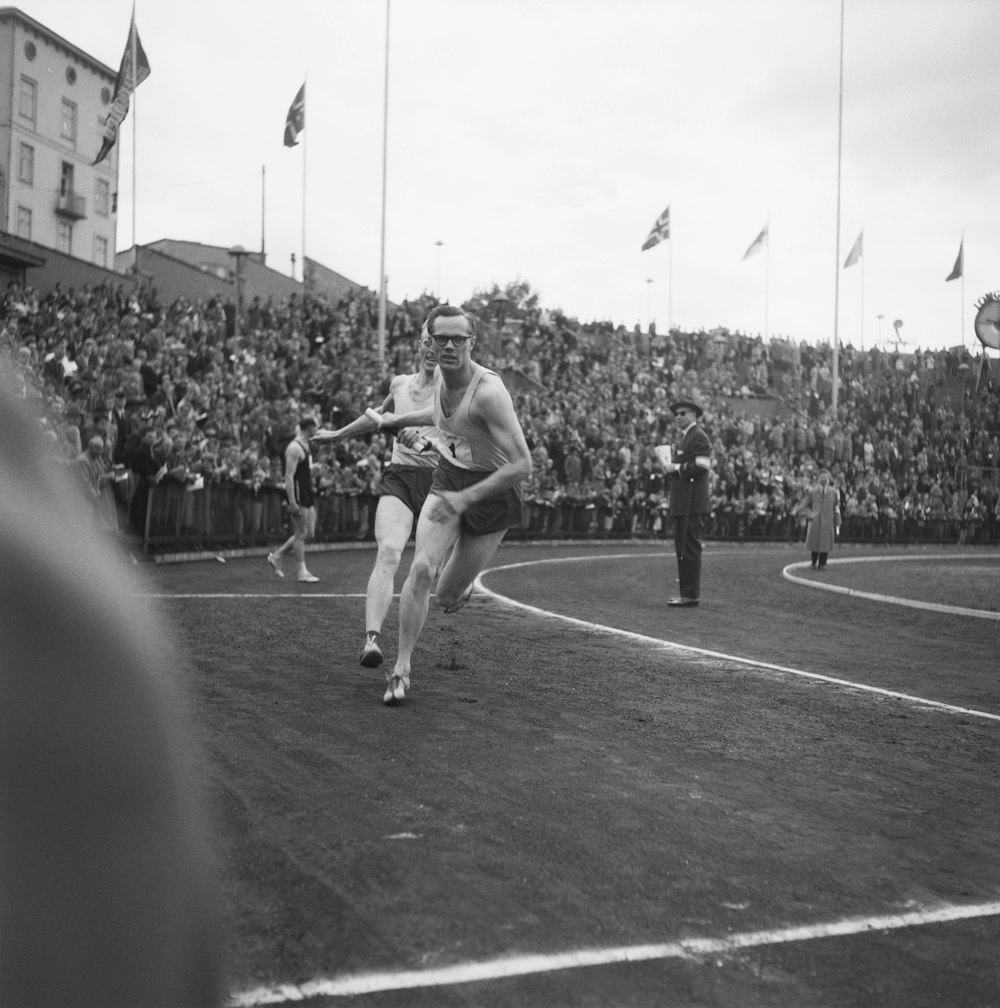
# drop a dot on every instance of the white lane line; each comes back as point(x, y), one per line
point(938, 607)
point(719, 655)
point(251, 595)
point(514, 966)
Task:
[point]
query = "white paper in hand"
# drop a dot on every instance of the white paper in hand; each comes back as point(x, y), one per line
point(664, 454)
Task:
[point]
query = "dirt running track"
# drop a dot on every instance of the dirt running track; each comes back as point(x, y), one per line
point(552, 789)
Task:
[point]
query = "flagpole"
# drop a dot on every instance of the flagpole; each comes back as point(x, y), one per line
point(961, 320)
point(862, 297)
point(767, 277)
point(305, 141)
point(263, 217)
point(670, 280)
point(385, 148)
point(836, 256)
point(133, 35)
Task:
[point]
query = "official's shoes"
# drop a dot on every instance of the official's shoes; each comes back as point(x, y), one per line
point(396, 687)
point(455, 606)
point(275, 564)
point(682, 601)
point(306, 576)
point(371, 653)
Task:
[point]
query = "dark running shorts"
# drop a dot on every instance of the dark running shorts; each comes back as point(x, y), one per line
point(410, 484)
point(496, 513)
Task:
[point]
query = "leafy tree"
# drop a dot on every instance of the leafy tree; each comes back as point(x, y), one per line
point(520, 294)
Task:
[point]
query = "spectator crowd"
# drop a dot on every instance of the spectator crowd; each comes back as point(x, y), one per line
point(136, 395)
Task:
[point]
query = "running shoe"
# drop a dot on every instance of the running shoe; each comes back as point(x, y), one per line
point(306, 576)
point(275, 563)
point(455, 606)
point(395, 689)
point(371, 653)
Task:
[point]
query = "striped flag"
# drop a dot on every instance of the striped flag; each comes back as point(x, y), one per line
point(757, 244)
point(857, 250)
point(959, 268)
point(660, 231)
point(130, 76)
point(296, 121)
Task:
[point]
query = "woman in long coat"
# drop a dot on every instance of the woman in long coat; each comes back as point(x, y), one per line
point(823, 504)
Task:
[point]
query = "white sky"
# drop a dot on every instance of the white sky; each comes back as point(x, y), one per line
point(540, 139)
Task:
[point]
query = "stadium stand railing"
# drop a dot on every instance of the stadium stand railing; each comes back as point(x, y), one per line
point(220, 516)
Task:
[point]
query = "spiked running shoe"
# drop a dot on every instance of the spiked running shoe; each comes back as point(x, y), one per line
point(455, 606)
point(371, 653)
point(395, 688)
point(275, 564)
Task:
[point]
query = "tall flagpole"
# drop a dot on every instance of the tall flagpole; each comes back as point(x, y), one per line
point(385, 148)
point(767, 278)
point(670, 279)
point(836, 255)
point(962, 318)
point(263, 217)
point(133, 36)
point(305, 142)
point(862, 294)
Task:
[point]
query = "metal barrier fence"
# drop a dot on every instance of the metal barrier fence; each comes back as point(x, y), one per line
point(232, 516)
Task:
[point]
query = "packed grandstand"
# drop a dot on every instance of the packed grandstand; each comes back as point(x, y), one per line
point(174, 418)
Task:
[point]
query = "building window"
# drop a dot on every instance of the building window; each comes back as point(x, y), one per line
point(100, 251)
point(102, 198)
point(26, 164)
point(66, 187)
point(68, 131)
point(64, 237)
point(70, 75)
point(24, 223)
point(29, 50)
point(27, 102)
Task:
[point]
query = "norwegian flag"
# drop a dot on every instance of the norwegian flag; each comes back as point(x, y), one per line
point(660, 231)
point(296, 121)
point(758, 243)
point(131, 74)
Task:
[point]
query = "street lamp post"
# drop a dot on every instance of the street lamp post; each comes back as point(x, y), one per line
point(499, 305)
point(238, 252)
point(440, 245)
point(963, 369)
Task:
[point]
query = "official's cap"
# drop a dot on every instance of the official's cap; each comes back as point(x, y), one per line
point(686, 404)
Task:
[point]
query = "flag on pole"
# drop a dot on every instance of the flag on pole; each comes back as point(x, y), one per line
point(959, 268)
point(129, 78)
point(857, 250)
point(660, 231)
point(757, 244)
point(296, 121)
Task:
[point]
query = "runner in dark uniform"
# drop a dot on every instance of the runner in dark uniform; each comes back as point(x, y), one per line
point(301, 501)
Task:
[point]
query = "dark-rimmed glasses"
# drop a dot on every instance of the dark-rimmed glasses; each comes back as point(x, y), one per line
point(457, 341)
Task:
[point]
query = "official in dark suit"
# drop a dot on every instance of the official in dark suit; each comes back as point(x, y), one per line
point(689, 500)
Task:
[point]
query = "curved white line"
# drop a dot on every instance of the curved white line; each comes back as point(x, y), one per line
point(720, 655)
point(938, 607)
point(685, 948)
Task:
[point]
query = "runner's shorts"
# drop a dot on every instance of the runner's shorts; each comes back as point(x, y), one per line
point(410, 484)
point(496, 513)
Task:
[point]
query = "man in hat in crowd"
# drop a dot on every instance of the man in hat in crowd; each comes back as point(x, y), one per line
point(689, 499)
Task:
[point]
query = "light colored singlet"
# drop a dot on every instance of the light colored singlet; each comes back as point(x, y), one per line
point(465, 443)
point(403, 401)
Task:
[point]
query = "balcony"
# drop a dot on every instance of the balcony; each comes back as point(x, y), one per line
point(72, 206)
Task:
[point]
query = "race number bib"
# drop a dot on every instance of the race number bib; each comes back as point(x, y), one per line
point(456, 450)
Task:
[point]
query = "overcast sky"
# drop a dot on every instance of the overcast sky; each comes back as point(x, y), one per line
point(540, 139)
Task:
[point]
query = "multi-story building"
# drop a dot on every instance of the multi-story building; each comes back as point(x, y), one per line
point(54, 98)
